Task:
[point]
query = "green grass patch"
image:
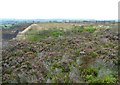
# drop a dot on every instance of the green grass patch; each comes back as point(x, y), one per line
point(90, 29)
point(93, 75)
point(35, 35)
point(77, 29)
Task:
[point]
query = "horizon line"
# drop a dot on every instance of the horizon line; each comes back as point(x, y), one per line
point(56, 19)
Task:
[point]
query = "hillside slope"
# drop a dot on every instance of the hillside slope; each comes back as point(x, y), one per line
point(82, 54)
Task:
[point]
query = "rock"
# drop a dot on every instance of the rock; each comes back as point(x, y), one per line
point(82, 53)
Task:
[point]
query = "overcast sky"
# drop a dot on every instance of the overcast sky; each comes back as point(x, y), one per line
point(73, 9)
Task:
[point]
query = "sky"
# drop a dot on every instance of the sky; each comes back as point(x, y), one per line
point(68, 9)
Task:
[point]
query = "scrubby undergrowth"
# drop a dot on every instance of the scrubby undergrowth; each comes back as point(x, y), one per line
point(79, 55)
